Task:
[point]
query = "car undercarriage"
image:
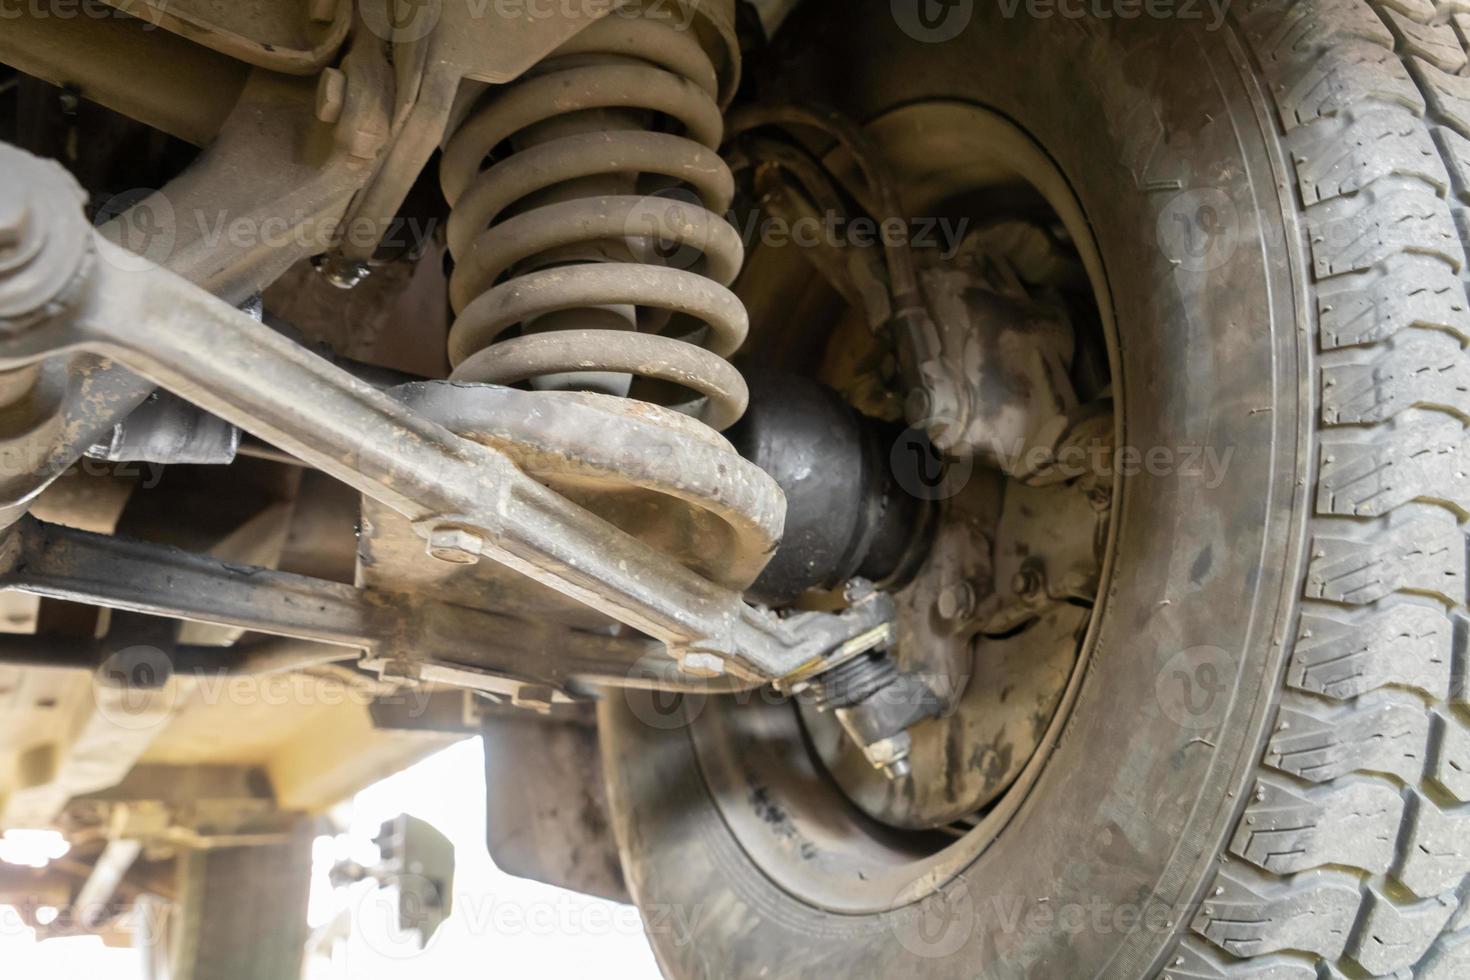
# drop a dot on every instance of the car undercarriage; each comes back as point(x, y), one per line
point(880, 473)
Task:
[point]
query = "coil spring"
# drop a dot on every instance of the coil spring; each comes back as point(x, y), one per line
point(556, 237)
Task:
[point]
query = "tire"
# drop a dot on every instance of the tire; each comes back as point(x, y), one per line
point(240, 914)
point(1316, 821)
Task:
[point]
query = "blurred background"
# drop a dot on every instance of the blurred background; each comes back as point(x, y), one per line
point(500, 926)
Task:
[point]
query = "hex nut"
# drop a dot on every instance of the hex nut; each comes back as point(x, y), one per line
point(1028, 582)
point(455, 545)
point(956, 601)
point(45, 239)
point(890, 754)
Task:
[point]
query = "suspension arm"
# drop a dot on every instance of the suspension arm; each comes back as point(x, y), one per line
point(487, 648)
point(77, 291)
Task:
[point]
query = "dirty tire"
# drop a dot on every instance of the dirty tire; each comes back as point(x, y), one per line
point(1282, 206)
point(240, 914)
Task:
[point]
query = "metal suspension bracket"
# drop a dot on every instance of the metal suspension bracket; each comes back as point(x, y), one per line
point(442, 50)
point(64, 289)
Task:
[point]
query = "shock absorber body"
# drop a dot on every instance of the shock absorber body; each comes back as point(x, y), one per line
point(567, 188)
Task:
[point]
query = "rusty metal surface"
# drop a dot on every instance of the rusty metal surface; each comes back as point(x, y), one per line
point(1005, 356)
point(212, 354)
point(554, 828)
point(607, 283)
point(275, 172)
point(290, 36)
point(653, 473)
point(150, 75)
point(439, 45)
point(273, 162)
point(161, 581)
point(993, 623)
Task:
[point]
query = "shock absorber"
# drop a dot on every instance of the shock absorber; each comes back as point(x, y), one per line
point(587, 229)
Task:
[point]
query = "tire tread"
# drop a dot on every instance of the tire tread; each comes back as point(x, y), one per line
point(1351, 857)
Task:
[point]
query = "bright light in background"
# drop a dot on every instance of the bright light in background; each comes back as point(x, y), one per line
point(501, 926)
point(32, 848)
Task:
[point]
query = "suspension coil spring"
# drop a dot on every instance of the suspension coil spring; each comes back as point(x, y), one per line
point(554, 228)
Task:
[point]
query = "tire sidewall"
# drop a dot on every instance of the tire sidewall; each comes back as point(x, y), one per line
point(1163, 134)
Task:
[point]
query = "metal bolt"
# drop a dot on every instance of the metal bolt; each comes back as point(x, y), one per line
point(342, 272)
point(919, 406)
point(897, 769)
point(859, 591)
point(891, 755)
point(956, 601)
point(331, 95)
point(455, 545)
point(1028, 581)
